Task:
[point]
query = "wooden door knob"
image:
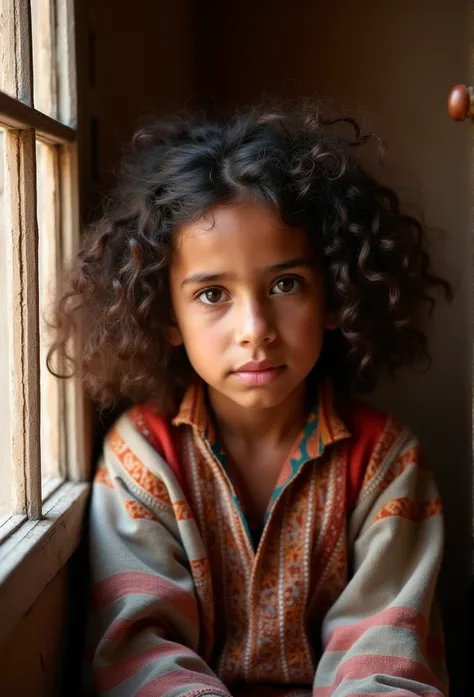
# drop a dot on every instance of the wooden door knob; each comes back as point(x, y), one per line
point(461, 103)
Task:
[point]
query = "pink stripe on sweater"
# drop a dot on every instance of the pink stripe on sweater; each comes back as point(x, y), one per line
point(135, 583)
point(118, 630)
point(342, 638)
point(182, 679)
point(108, 677)
point(366, 665)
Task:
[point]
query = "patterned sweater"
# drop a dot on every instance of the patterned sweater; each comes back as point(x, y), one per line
point(337, 598)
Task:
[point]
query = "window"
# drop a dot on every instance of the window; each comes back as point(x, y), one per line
point(5, 469)
point(42, 462)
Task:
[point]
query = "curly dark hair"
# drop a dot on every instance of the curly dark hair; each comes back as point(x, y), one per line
point(377, 269)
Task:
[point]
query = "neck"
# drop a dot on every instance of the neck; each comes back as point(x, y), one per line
point(251, 427)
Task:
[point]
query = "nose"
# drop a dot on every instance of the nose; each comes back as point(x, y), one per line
point(255, 325)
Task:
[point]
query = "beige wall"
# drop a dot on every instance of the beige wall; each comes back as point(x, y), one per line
point(145, 62)
point(393, 64)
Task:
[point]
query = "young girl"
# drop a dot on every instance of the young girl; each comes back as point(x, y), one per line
point(253, 530)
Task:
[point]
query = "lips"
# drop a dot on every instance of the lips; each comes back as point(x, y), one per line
point(258, 373)
point(257, 366)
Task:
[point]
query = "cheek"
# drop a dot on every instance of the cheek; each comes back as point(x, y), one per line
point(202, 333)
point(303, 323)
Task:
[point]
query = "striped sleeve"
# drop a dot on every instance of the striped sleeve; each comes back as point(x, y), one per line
point(144, 629)
point(382, 636)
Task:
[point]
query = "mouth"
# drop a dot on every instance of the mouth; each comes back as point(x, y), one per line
point(258, 373)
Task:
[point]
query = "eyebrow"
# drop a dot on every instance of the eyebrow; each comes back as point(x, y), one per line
point(198, 278)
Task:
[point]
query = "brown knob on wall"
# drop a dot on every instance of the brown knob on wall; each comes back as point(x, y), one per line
point(461, 103)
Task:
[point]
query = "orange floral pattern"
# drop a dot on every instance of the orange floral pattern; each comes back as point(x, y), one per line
point(410, 510)
point(410, 457)
point(182, 510)
point(387, 441)
point(142, 476)
point(102, 477)
point(261, 600)
point(229, 558)
point(138, 511)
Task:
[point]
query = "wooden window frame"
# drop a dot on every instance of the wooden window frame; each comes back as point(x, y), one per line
point(38, 539)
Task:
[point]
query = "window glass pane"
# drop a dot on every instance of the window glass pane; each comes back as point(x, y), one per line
point(43, 25)
point(52, 390)
point(66, 62)
point(6, 498)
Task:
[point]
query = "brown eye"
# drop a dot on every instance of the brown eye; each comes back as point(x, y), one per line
point(286, 286)
point(212, 296)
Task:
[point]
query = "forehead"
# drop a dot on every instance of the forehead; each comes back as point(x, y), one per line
point(248, 234)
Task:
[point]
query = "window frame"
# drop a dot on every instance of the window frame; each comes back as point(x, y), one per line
point(37, 540)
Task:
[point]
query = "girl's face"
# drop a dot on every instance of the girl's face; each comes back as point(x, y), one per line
point(249, 303)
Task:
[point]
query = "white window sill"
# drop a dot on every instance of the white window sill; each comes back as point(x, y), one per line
point(36, 550)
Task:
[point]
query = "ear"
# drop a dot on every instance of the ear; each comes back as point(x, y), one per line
point(174, 336)
point(331, 321)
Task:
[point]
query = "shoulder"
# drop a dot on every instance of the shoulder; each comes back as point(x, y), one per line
point(376, 439)
point(366, 424)
point(126, 442)
point(155, 428)
point(146, 428)
point(142, 423)
point(137, 454)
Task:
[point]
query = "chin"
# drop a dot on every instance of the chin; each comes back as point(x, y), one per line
point(259, 398)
